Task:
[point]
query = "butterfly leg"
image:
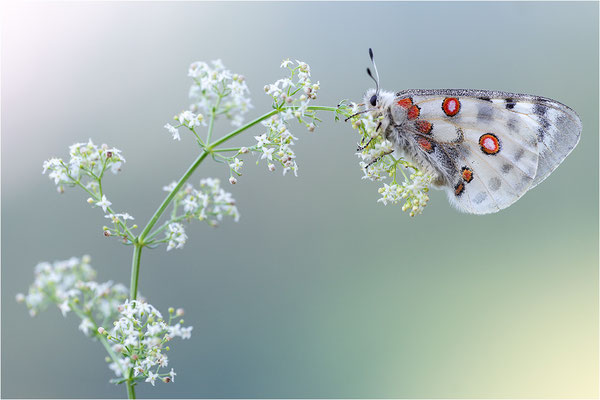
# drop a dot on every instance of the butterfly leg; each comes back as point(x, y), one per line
point(373, 161)
point(361, 147)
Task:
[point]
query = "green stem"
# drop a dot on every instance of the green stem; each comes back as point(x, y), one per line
point(170, 196)
point(135, 270)
point(233, 134)
point(223, 150)
point(130, 387)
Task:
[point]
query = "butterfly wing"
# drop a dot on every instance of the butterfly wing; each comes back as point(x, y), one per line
point(489, 147)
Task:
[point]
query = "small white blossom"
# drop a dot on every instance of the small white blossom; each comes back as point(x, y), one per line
point(262, 140)
point(151, 377)
point(64, 308)
point(86, 325)
point(173, 131)
point(236, 165)
point(104, 203)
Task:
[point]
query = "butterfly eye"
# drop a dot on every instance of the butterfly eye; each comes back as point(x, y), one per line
point(373, 100)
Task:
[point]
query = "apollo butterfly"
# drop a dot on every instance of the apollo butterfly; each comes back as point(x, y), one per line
point(484, 148)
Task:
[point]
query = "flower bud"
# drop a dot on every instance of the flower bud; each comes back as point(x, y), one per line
point(311, 127)
point(244, 150)
point(90, 200)
point(171, 310)
point(271, 167)
point(20, 297)
point(166, 379)
point(101, 330)
point(180, 312)
point(232, 180)
point(106, 233)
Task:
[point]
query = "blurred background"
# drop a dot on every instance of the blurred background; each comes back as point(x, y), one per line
point(318, 291)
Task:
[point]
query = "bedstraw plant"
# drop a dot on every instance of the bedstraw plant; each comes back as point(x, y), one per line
point(135, 334)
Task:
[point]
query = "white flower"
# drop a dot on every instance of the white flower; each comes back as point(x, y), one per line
point(173, 131)
point(104, 203)
point(262, 140)
point(236, 165)
point(285, 63)
point(151, 377)
point(172, 374)
point(86, 325)
point(189, 119)
point(267, 153)
point(186, 333)
point(64, 308)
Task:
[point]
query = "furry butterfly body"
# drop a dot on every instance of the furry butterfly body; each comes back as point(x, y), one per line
point(484, 148)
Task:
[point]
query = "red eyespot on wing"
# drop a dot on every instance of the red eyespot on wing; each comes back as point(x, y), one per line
point(425, 144)
point(413, 113)
point(451, 106)
point(405, 103)
point(467, 174)
point(489, 143)
point(459, 189)
point(424, 126)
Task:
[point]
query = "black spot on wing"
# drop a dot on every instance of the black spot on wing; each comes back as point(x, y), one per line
point(510, 103)
point(506, 168)
point(519, 154)
point(479, 197)
point(485, 99)
point(539, 109)
point(512, 124)
point(485, 112)
point(495, 183)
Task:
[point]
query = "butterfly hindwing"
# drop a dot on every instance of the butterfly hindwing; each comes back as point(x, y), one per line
point(490, 147)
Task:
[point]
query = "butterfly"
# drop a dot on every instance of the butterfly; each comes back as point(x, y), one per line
point(484, 148)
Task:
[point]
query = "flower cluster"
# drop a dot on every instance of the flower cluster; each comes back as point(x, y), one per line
point(216, 86)
point(291, 97)
point(413, 191)
point(378, 162)
point(138, 338)
point(176, 236)
point(276, 145)
point(70, 286)
point(86, 166)
point(207, 203)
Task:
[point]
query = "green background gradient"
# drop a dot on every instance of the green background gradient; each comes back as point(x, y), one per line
point(318, 291)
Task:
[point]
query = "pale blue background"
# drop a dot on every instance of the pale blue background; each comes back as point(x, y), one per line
point(318, 291)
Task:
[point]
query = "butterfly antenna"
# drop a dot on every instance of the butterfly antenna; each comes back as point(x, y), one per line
point(375, 68)
point(375, 80)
